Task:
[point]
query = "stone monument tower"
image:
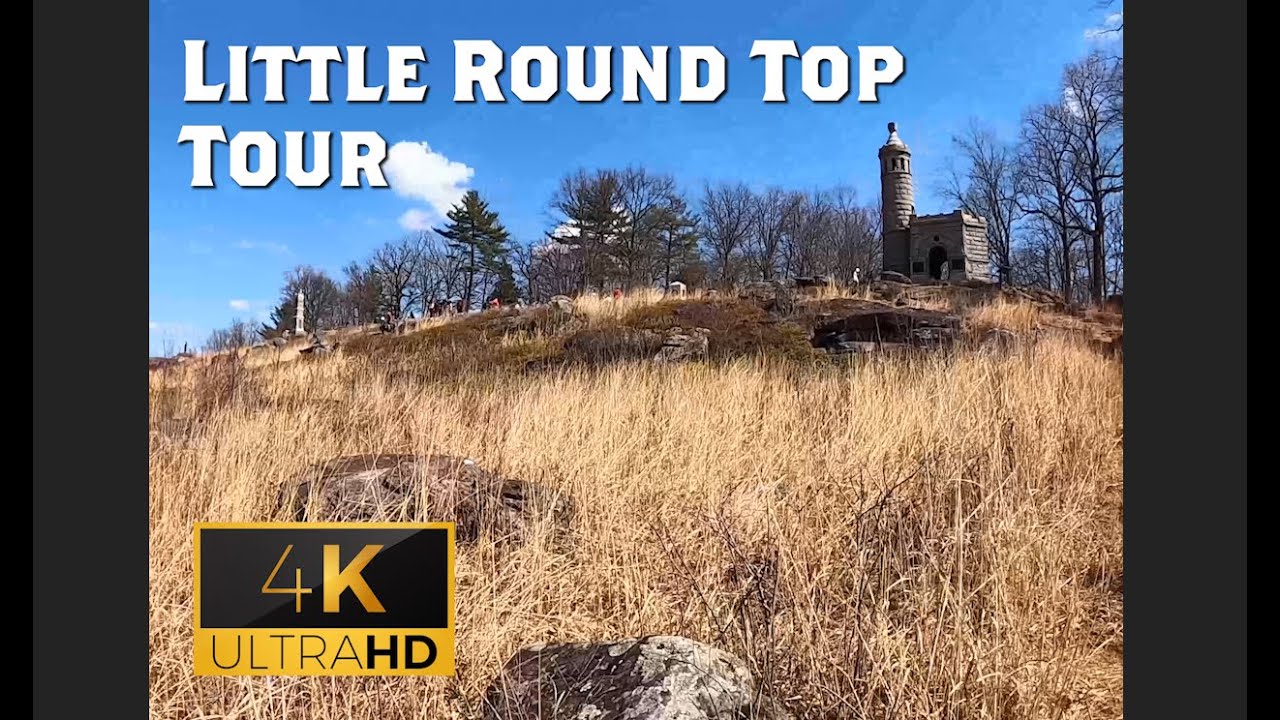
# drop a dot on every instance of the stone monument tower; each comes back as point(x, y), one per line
point(897, 202)
point(299, 315)
point(926, 248)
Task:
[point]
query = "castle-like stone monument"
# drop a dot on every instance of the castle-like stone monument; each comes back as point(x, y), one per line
point(926, 247)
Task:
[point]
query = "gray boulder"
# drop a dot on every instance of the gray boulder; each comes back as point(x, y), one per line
point(813, 281)
point(442, 488)
point(651, 678)
point(561, 305)
point(771, 296)
point(999, 340)
point(891, 276)
point(679, 345)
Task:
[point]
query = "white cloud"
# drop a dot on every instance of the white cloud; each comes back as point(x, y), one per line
point(272, 247)
point(414, 219)
point(240, 305)
point(1071, 101)
point(558, 242)
point(566, 230)
point(174, 328)
point(417, 172)
point(1111, 29)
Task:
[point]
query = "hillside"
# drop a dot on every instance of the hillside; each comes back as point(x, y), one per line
point(904, 501)
point(764, 320)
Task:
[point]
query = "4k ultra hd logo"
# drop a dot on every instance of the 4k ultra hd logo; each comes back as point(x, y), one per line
point(324, 599)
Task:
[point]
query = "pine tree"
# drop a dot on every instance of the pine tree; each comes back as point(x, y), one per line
point(594, 220)
point(478, 237)
point(678, 236)
point(505, 290)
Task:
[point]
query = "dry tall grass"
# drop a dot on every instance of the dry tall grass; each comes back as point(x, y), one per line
point(913, 537)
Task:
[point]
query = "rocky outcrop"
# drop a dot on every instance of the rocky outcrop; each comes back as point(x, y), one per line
point(891, 276)
point(441, 488)
point(860, 326)
point(679, 345)
point(651, 678)
point(1035, 296)
point(319, 345)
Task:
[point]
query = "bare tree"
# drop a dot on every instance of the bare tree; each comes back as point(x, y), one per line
point(524, 263)
point(769, 215)
point(1093, 96)
point(438, 273)
point(396, 265)
point(237, 335)
point(643, 198)
point(1035, 259)
point(1115, 244)
point(362, 294)
point(323, 302)
point(987, 184)
point(1048, 180)
point(853, 235)
point(553, 267)
point(806, 231)
point(726, 226)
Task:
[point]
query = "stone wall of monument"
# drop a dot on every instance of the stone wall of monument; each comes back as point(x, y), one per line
point(930, 231)
point(977, 250)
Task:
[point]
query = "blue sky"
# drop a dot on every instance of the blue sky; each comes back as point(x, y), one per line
point(221, 253)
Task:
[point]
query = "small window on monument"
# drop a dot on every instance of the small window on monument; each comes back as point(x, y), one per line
point(917, 267)
point(957, 264)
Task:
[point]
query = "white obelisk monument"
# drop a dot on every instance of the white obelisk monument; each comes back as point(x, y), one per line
point(298, 320)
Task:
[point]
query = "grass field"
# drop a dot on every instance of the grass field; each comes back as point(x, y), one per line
point(912, 536)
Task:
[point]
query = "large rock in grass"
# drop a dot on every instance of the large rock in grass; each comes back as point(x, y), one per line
point(895, 277)
point(680, 345)
point(999, 341)
point(652, 678)
point(561, 305)
point(770, 295)
point(402, 487)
